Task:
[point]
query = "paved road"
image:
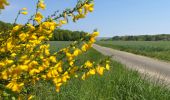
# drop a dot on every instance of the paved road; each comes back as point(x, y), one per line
point(152, 67)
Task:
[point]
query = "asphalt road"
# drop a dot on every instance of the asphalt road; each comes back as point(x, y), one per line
point(160, 70)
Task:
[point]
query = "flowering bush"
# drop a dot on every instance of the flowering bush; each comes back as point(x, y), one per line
point(25, 56)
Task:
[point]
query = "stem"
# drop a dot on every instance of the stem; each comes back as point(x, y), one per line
point(36, 12)
point(19, 12)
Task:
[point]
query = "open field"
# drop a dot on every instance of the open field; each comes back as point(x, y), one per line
point(117, 84)
point(156, 49)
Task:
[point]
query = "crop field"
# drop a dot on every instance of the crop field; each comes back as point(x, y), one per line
point(117, 84)
point(156, 49)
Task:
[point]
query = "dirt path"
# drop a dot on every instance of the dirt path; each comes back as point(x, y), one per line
point(154, 68)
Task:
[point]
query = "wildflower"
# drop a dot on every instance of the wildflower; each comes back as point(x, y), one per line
point(38, 17)
point(89, 7)
point(53, 59)
point(24, 12)
point(88, 64)
point(100, 70)
point(84, 47)
point(31, 27)
point(16, 28)
point(23, 36)
point(83, 76)
point(76, 52)
point(23, 67)
point(14, 86)
point(2, 64)
point(30, 97)
point(41, 5)
point(92, 71)
point(24, 8)
point(107, 66)
point(4, 75)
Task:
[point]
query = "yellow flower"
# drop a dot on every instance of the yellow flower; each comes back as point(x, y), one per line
point(71, 63)
point(14, 86)
point(31, 27)
point(88, 64)
point(4, 75)
point(41, 5)
point(9, 45)
point(84, 47)
point(13, 54)
point(30, 97)
point(94, 34)
point(100, 70)
point(23, 36)
point(23, 67)
point(107, 66)
point(16, 28)
point(89, 7)
point(24, 12)
point(2, 64)
point(53, 59)
point(92, 71)
point(38, 17)
point(92, 40)
point(83, 76)
point(9, 61)
point(76, 52)
point(80, 11)
point(62, 22)
point(24, 8)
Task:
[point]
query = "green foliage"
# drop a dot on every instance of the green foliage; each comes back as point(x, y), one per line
point(156, 49)
point(159, 37)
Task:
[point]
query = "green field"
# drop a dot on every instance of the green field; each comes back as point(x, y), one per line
point(155, 49)
point(117, 84)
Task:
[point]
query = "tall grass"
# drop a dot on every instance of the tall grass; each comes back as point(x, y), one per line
point(156, 49)
point(117, 84)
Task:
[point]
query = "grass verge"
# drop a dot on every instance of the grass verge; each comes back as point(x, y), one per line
point(117, 84)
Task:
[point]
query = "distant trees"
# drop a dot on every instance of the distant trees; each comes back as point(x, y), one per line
point(159, 37)
point(4, 26)
point(67, 35)
point(59, 34)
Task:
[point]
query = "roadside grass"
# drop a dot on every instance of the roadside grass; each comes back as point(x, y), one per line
point(117, 84)
point(156, 49)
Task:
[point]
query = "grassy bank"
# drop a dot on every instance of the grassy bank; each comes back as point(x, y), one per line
point(116, 84)
point(156, 49)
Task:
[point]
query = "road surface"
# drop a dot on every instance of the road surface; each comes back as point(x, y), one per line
point(158, 69)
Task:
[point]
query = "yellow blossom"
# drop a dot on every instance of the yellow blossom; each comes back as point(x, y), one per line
point(24, 12)
point(100, 70)
point(88, 64)
point(24, 8)
point(92, 71)
point(41, 5)
point(107, 66)
point(38, 17)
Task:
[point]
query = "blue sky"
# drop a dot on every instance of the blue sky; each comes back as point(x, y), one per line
point(111, 17)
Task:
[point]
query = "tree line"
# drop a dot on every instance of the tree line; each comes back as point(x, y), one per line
point(67, 35)
point(158, 37)
point(58, 35)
